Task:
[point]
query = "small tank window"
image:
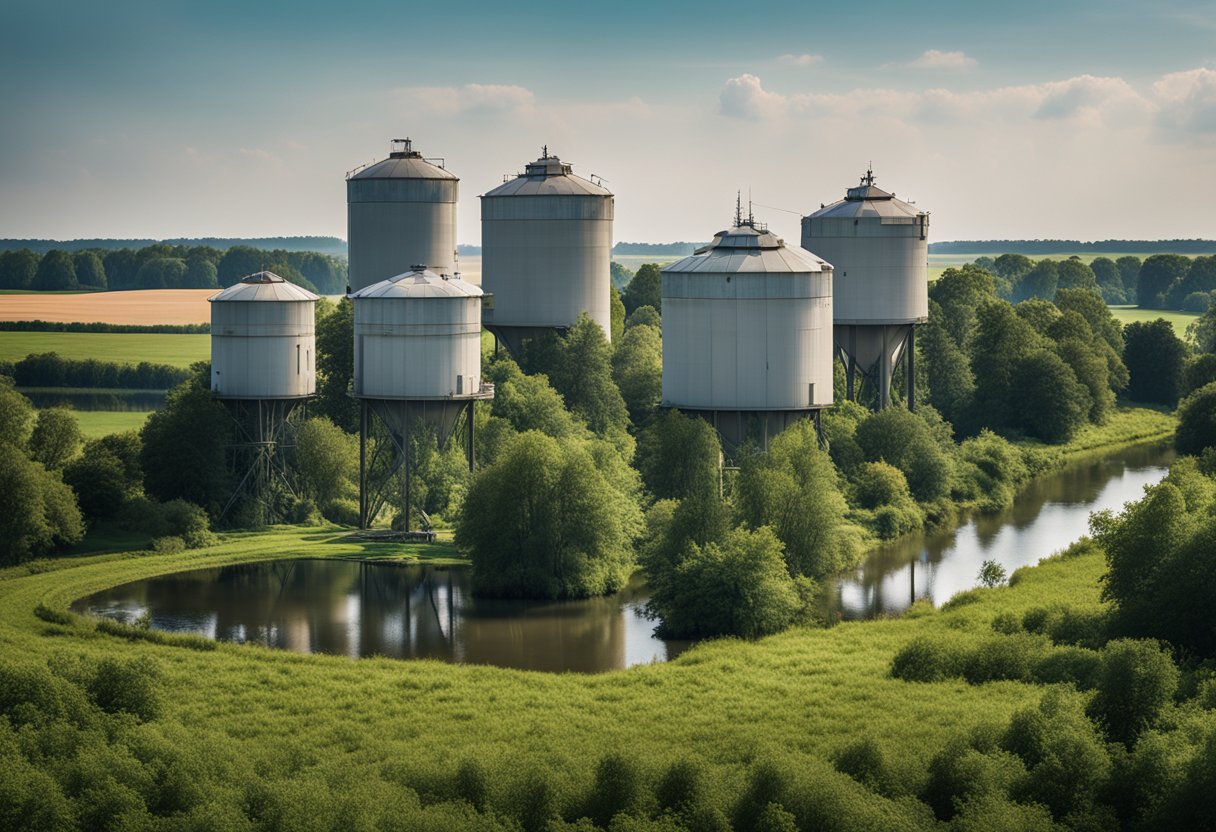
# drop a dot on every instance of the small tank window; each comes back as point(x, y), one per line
point(297, 359)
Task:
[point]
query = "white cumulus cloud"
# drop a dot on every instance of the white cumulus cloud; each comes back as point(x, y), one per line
point(937, 59)
point(745, 98)
point(1186, 101)
point(471, 98)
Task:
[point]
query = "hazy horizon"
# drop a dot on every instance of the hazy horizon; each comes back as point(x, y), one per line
point(1092, 121)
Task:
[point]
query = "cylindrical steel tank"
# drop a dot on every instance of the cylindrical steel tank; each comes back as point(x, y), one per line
point(263, 341)
point(880, 248)
point(418, 336)
point(400, 211)
point(747, 326)
point(546, 248)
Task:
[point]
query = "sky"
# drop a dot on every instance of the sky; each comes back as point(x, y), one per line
point(1085, 119)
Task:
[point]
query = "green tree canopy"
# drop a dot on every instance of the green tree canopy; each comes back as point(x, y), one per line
point(161, 273)
point(56, 271)
point(1197, 421)
point(238, 262)
point(793, 490)
point(645, 289)
point(1013, 266)
point(951, 383)
point(544, 521)
point(37, 511)
point(903, 439)
point(16, 415)
point(336, 366)
point(1073, 273)
point(1040, 282)
point(1154, 356)
point(617, 314)
point(644, 316)
point(89, 270)
point(679, 456)
point(1002, 338)
point(106, 475)
point(1051, 404)
point(1129, 270)
point(583, 376)
point(960, 292)
point(1157, 277)
point(637, 368)
point(1199, 370)
point(56, 438)
point(18, 269)
point(328, 460)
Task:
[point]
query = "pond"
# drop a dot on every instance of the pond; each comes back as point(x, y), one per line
point(369, 609)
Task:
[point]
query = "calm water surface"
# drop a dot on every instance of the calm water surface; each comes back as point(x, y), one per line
point(364, 609)
point(1047, 516)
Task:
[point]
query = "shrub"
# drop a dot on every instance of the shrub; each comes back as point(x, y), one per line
point(926, 660)
point(1003, 657)
point(682, 788)
point(1068, 665)
point(766, 784)
point(879, 484)
point(892, 521)
point(1007, 623)
point(303, 512)
point(132, 686)
point(617, 788)
point(866, 763)
point(960, 773)
point(991, 574)
point(341, 512)
point(187, 521)
point(472, 784)
point(1136, 681)
point(169, 545)
point(904, 440)
point(1197, 421)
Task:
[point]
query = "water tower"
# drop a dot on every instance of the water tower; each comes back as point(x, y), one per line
point(546, 249)
point(747, 334)
point(400, 211)
point(417, 359)
point(263, 351)
point(880, 248)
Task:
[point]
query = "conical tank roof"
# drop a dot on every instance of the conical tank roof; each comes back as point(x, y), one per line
point(548, 176)
point(420, 282)
point(263, 286)
point(748, 247)
point(404, 162)
point(868, 200)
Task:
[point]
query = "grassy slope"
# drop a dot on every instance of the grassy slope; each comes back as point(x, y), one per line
point(95, 423)
point(1129, 314)
point(799, 695)
point(131, 348)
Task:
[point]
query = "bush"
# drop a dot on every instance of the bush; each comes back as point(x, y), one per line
point(303, 512)
point(879, 484)
point(1135, 683)
point(1010, 657)
point(865, 761)
point(169, 545)
point(904, 440)
point(1197, 421)
point(1068, 665)
point(1065, 625)
point(767, 784)
point(926, 660)
point(960, 773)
point(341, 512)
point(617, 788)
point(131, 686)
point(472, 784)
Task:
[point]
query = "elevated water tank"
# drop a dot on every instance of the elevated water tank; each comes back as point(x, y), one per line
point(880, 248)
point(747, 332)
point(263, 341)
point(400, 211)
point(546, 248)
point(418, 336)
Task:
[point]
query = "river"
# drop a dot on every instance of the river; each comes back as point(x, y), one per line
point(368, 609)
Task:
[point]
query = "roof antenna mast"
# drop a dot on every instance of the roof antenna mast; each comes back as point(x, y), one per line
point(738, 208)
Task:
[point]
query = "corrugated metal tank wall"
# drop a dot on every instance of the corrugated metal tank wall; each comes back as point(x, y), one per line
point(400, 212)
point(418, 347)
point(263, 349)
point(546, 256)
point(747, 330)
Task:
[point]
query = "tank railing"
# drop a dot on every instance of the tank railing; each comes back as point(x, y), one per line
point(485, 389)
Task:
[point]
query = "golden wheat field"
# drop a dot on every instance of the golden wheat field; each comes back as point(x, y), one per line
point(140, 307)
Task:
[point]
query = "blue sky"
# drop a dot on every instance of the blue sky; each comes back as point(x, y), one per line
point(1067, 119)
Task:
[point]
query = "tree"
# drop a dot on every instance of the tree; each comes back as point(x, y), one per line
point(1089, 367)
point(991, 574)
point(645, 289)
point(1074, 274)
point(1095, 312)
point(56, 438)
point(185, 444)
point(37, 511)
point(328, 460)
point(89, 270)
point(644, 316)
point(1039, 313)
point(18, 269)
point(1154, 356)
point(1197, 421)
point(16, 415)
point(1129, 271)
point(1136, 682)
point(121, 267)
point(1202, 331)
point(161, 273)
point(679, 456)
point(200, 273)
point(951, 384)
point(1001, 340)
point(960, 293)
point(1199, 370)
point(56, 271)
point(1110, 280)
point(637, 369)
point(1050, 403)
point(238, 262)
point(739, 586)
point(1013, 266)
point(1158, 276)
point(620, 275)
point(529, 403)
point(583, 376)
point(106, 475)
point(903, 439)
point(544, 521)
point(336, 367)
point(1040, 282)
point(617, 315)
point(1200, 279)
point(793, 490)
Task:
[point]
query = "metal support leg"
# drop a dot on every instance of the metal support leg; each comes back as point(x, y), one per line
point(469, 448)
point(884, 374)
point(405, 450)
point(911, 349)
point(363, 464)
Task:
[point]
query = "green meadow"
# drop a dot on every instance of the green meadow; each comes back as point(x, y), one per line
point(125, 347)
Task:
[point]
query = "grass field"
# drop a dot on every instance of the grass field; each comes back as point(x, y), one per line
point(1130, 314)
point(95, 423)
point(129, 348)
point(149, 306)
point(795, 697)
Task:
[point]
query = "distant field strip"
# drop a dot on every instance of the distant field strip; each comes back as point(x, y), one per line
point(129, 348)
point(95, 423)
point(150, 306)
point(1130, 314)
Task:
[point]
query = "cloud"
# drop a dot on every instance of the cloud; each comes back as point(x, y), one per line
point(471, 99)
point(260, 155)
point(936, 59)
point(1086, 97)
point(799, 60)
point(745, 98)
point(1186, 101)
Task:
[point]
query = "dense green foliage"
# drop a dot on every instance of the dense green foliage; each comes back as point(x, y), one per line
point(645, 289)
point(336, 364)
point(1197, 421)
point(56, 438)
point(94, 326)
point(51, 370)
point(1155, 357)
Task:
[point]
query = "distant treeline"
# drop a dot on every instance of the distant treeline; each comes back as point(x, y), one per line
point(166, 266)
point(78, 326)
point(323, 245)
point(1073, 247)
point(680, 249)
point(50, 369)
